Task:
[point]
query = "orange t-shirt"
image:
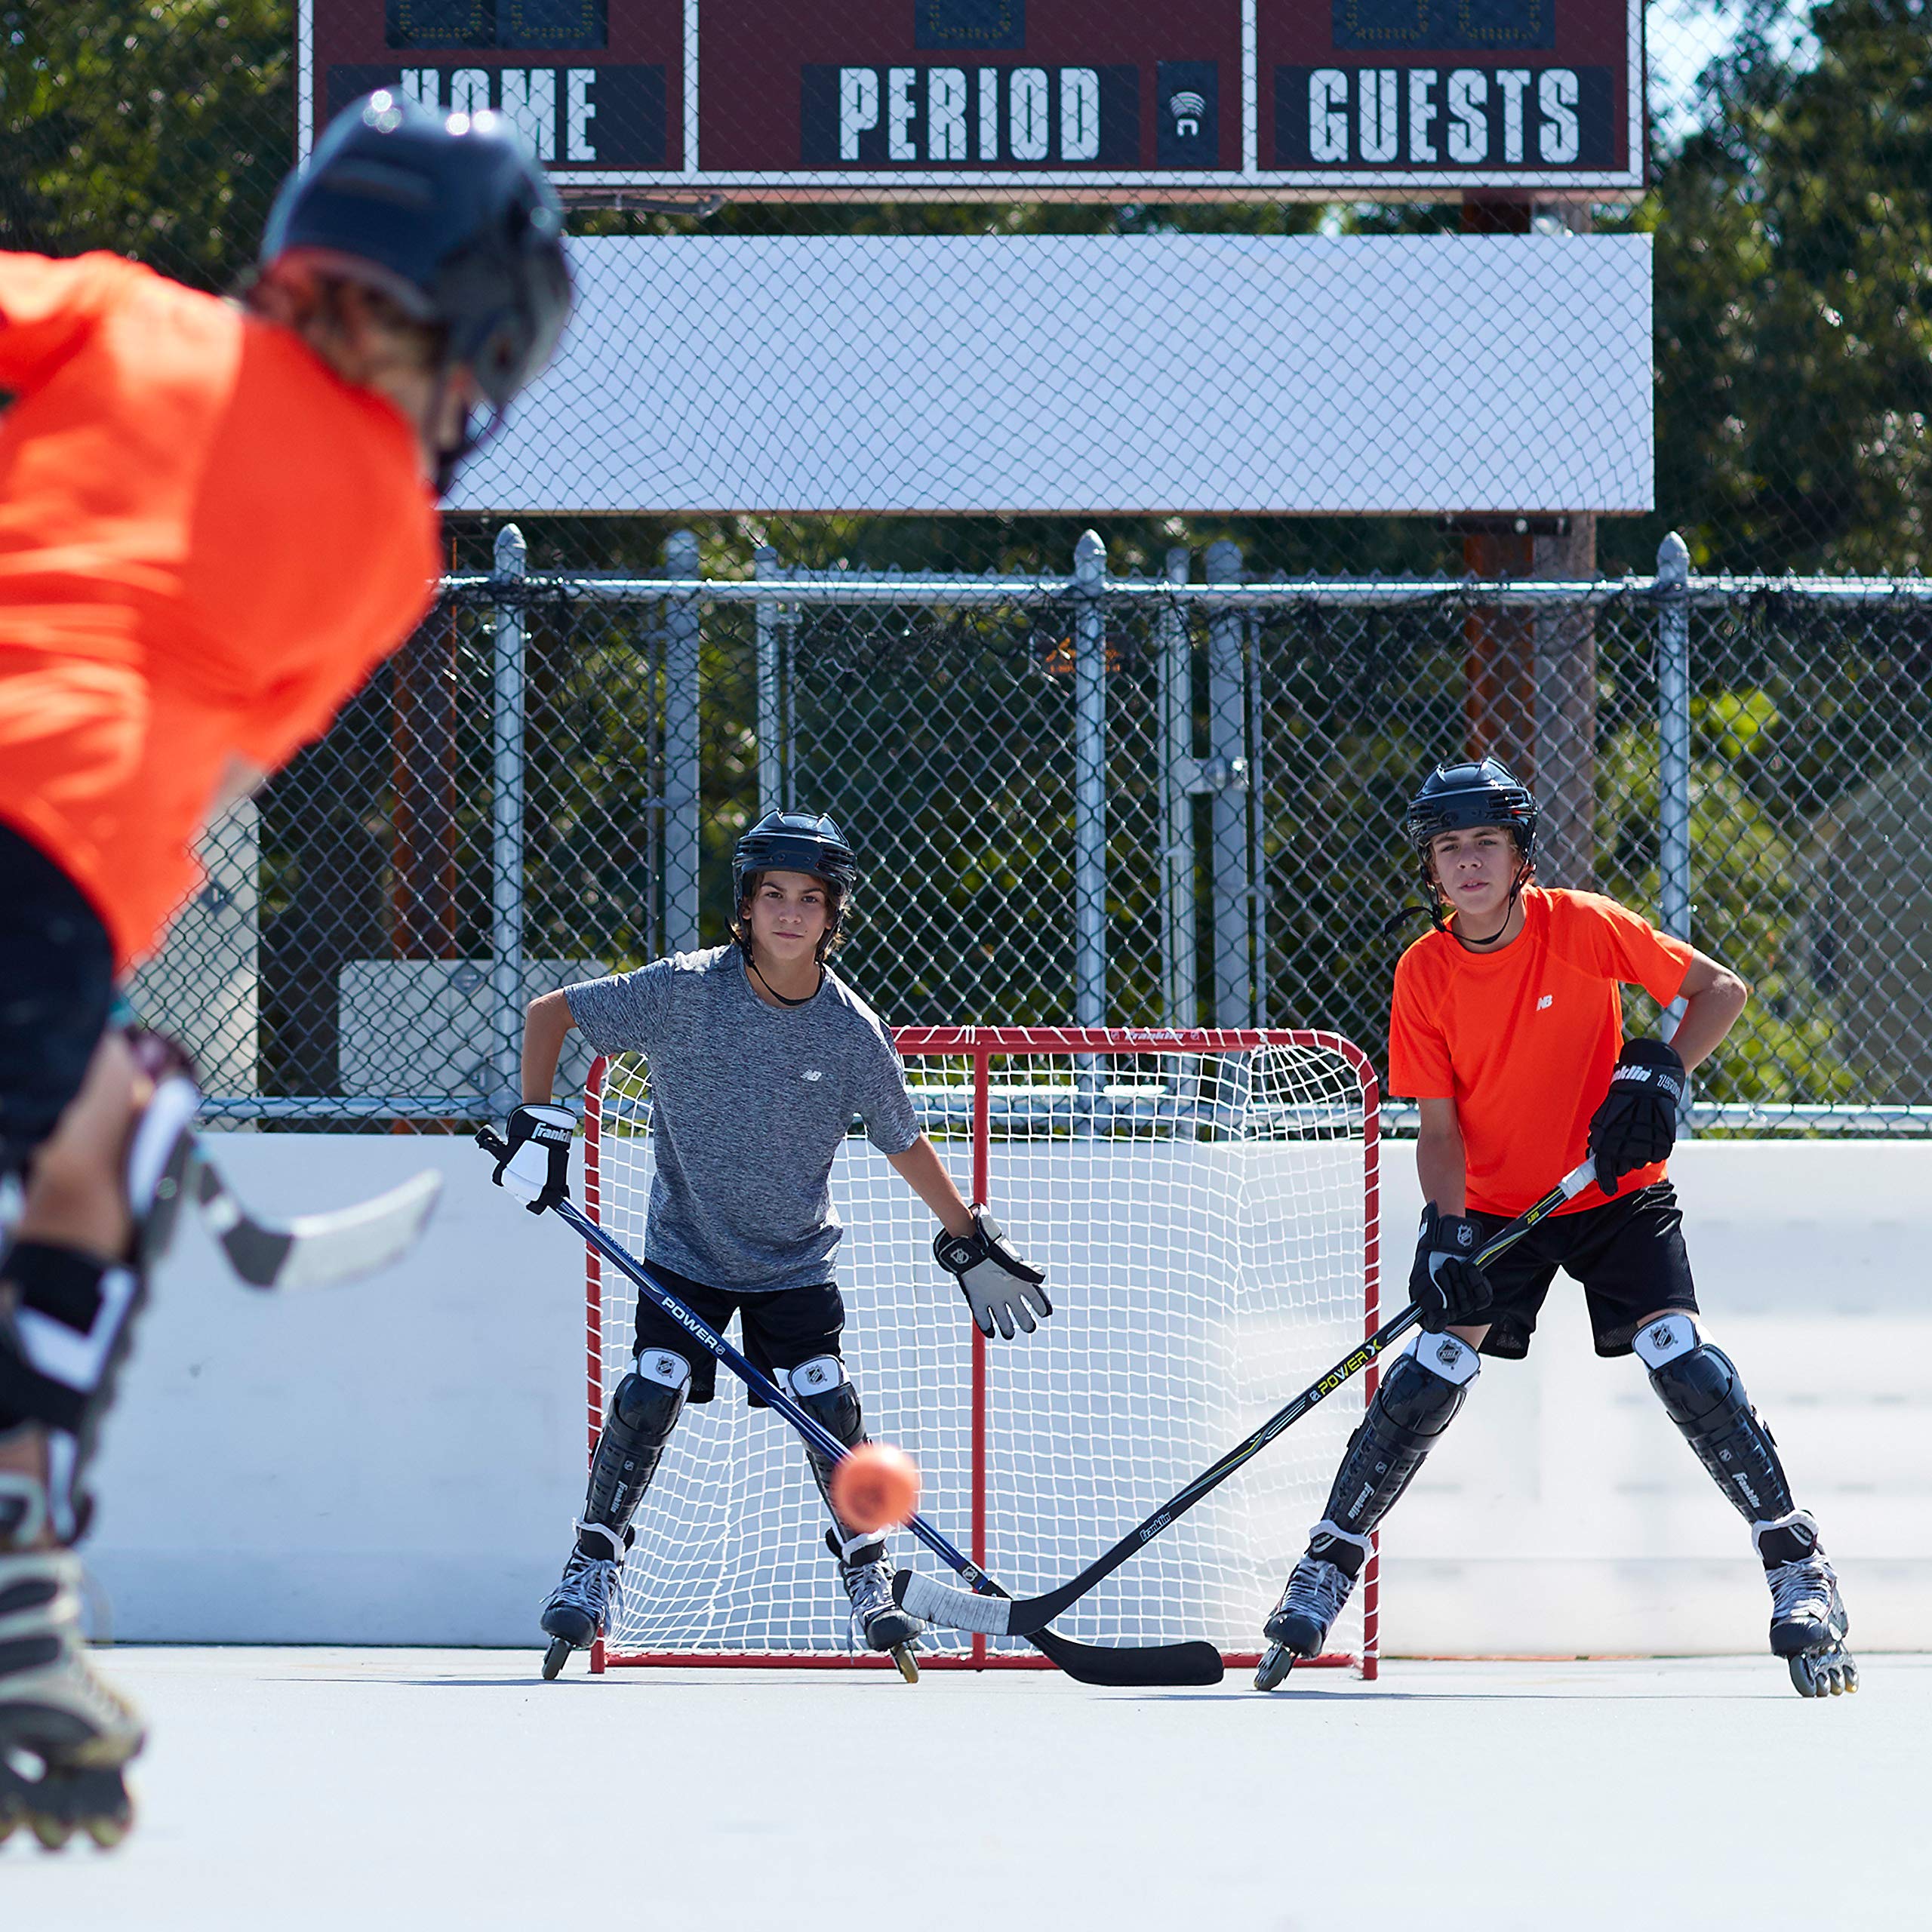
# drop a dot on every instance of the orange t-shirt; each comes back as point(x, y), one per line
point(206, 541)
point(1524, 1040)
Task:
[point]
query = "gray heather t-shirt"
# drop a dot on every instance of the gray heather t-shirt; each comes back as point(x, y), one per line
point(749, 1104)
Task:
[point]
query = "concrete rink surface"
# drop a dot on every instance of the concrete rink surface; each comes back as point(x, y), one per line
point(360, 1790)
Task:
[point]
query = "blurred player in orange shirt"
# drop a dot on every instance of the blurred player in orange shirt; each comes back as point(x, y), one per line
point(1507, 1028)
point(215, 518)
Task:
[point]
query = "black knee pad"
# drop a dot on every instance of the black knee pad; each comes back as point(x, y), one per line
point(1696, 1386)
point(1423, 1402)
point(644, 1408)
point(820, 1388)
point(1703, 1394)
point(1418, 1399)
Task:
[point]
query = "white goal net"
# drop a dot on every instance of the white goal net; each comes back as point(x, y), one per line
point(1204, 1206)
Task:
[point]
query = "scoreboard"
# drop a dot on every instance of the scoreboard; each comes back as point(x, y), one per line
point(971, 99)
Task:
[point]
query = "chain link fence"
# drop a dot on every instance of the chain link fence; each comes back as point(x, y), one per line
point(1153, 781)
point(1084, 798)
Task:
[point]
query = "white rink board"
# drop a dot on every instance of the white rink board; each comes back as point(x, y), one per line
point(1082, 374)
point(399, 1462)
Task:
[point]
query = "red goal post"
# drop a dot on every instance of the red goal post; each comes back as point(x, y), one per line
point(1205, 1201)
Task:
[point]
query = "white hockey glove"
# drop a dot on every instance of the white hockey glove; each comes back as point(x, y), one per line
point(536, 1164)
point(998, 1285)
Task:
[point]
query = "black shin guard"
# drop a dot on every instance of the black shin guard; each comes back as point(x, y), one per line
point(1702, 1393)
point(1417, 1400)
point(62, 1348)
point(645, 1409)
point(820, 1389)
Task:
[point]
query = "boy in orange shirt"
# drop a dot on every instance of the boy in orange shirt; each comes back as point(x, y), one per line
point(1507, 1028)
point(215, 519)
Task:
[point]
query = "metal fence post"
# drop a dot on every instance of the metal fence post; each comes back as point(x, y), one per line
point(1257, 849)
point(1226, 773)
point(772, 749)
point(1179, 938)
point(1674, 743)
point(1090, 782)
point(506, 796)
point(680, 747)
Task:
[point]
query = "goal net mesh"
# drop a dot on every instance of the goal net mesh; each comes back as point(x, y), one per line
point(1205, 1221)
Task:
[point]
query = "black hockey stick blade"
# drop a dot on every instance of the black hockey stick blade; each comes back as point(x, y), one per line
point(935, 1602)
point(319, 1250)
point(1191, 1663)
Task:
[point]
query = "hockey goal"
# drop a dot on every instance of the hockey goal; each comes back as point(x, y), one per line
point(1204, 1203)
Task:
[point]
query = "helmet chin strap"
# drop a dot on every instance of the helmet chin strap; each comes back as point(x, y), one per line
point(1442, 925)
point(470, 438)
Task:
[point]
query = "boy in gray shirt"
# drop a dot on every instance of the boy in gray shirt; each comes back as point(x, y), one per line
point(760, 1058)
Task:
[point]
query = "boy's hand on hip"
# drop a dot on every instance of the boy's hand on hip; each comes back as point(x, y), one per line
point(1637, 1124)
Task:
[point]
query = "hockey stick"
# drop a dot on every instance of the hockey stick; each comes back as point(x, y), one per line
point(1190, 1663)
point(310, 1250)
point(1007, 1616)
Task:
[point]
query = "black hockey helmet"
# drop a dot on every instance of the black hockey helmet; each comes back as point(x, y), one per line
point(447, 215)
point(794, 842)
point(1471, 792)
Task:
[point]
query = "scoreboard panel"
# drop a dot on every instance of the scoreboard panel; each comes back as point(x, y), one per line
point(951, 99)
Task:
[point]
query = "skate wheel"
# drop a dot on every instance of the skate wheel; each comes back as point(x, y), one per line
point(555, 1657)
point(1823, 1674)
point(108, 1832)
point(53, 1832)
point(1277, 1660)
point(909, 1664)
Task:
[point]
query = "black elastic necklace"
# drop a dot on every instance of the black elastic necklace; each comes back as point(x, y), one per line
point(780, 997)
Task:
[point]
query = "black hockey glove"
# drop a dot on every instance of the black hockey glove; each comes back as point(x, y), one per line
point(1445, 1282)
point(1637, 1123)
point(998, 1285)
point(536, 1163)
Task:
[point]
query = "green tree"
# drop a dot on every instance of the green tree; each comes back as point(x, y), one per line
point(157, 130)
point(1794, 305)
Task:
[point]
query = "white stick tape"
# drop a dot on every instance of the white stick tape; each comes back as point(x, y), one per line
point(957, 1609)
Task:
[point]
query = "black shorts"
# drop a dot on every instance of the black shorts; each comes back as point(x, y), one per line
point(1629, 1254)
point(56, 983)
point(782, 1327)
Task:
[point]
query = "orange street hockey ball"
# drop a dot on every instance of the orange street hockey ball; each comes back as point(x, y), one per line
point(876, 1487)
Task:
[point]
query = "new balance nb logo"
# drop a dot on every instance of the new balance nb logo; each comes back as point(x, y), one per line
point(1545, 1001)
point(811, 1073)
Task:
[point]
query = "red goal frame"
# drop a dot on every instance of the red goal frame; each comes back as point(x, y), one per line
point(982, 1045)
